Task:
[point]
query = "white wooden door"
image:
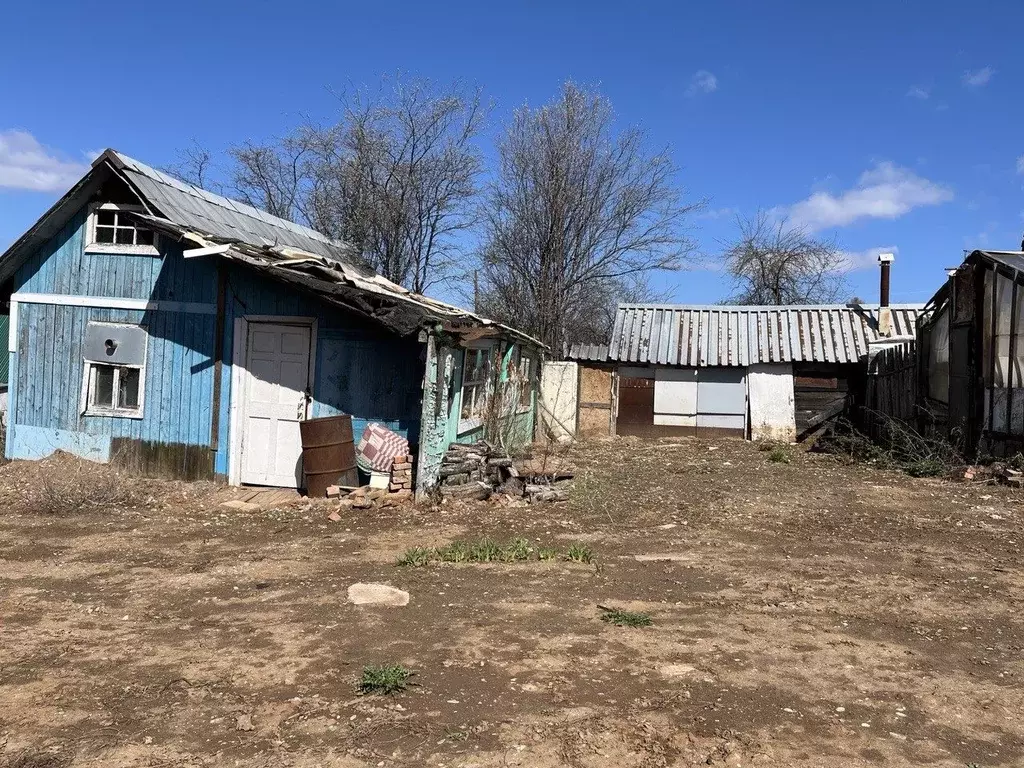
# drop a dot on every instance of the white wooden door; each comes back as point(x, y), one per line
point(275, 384)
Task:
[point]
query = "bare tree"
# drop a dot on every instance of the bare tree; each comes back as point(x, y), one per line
point(195, 166)
point(775, 263)
point(576, 212)
point(396, 176)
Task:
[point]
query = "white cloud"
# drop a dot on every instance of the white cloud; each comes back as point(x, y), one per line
point(702, 82)
point(718, 213)
point(27, 164)
point(977, 78)
point(886, 191)
point(1020, 164)
point(919, 92)
point(868, 258)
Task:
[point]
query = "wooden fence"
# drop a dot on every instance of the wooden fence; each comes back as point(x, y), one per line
point(891, 389)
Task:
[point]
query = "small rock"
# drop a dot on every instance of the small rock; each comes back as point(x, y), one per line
point(377, 594)
point(667, 557)
point(677, 670)
point(334, 517)
point(238, 505)
point(244, 723)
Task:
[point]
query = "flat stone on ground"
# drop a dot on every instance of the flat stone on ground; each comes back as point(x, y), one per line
point(668, 557)
point(238, 505)
point(377, 594)
point(677, 670)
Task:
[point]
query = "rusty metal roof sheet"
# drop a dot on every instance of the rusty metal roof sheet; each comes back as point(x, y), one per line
point(725, 335)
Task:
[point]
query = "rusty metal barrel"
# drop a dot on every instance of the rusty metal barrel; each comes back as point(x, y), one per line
point(328, 453)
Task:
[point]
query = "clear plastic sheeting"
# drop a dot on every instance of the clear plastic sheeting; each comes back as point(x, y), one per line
point(1003, 354)
point(938, 358)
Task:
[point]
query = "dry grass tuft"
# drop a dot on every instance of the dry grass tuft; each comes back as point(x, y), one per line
point(68, 485)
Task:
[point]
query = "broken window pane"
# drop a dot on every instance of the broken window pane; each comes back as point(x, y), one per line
point(125, 236)
point(106, 218)
point(104, 234)
point(144, 236)
point(128, 394)
point(103, 396)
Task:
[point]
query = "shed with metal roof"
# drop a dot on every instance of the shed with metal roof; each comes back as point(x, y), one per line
point(762, 371)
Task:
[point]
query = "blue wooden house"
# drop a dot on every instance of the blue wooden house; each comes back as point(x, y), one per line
point(182, 334)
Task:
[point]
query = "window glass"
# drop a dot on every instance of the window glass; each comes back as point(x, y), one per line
point(128, 389)
point(111, 227)
point(104, 394)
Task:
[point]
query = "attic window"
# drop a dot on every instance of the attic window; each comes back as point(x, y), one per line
point(112, 230)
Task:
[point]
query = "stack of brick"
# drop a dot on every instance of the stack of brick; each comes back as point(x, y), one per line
point(401, 475)
point(398, 490)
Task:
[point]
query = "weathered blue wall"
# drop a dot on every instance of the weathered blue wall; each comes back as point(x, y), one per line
point(360, 368)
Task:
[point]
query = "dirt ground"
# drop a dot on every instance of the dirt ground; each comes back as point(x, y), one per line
point(805, 614)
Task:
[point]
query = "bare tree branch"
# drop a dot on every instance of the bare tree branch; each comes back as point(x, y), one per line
point(576, 213)
point(396, 176)
point(774, 263)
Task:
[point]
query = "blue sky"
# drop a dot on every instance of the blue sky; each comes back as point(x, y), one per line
point(894, 126)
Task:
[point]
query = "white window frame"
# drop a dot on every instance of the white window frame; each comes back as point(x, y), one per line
point(473, 422)
point(91, 246)
point(88, 405)
point(526, 379)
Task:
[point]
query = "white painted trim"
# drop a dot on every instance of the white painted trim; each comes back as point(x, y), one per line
point(211, 250)
point(281, 319)
point(115, 302)
point(239, 352)
point(240, 348)
point(12, 327)
point(122, 250)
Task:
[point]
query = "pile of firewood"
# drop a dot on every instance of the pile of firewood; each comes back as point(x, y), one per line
point(478, 470)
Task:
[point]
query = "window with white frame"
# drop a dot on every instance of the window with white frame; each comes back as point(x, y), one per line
point(111, 228)
point(475, 382)
point(115, 365)
point(114, 390)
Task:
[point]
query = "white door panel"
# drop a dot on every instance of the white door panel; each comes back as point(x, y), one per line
point(675, 392)
point(274, 388)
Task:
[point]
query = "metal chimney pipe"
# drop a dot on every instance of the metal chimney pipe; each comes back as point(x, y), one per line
point(884, 313)
point(885, 262)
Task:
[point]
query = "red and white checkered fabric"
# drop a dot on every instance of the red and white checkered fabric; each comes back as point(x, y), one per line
point(378, 448)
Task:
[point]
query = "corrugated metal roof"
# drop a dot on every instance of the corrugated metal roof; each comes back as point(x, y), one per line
point(724, 335)
point(1012, 259)
point(196, 208)
point(596, 352)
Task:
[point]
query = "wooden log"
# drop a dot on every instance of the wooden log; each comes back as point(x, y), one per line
point(469, 491)
point(447, 470)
